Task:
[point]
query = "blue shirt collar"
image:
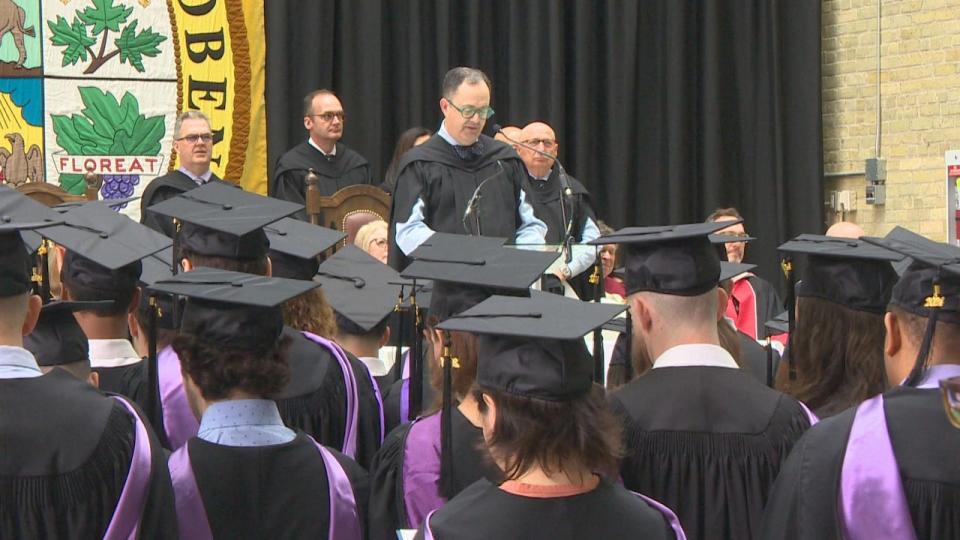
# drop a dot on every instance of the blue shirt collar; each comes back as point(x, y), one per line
point(934, 374)
point(445, 135)
point(17, 363)
point(202, 179)
point(240, 412)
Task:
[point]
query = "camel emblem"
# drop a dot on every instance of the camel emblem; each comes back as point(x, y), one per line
point(19, 166)
point(11, 21)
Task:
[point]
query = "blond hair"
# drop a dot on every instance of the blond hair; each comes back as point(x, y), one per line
point(366, 233)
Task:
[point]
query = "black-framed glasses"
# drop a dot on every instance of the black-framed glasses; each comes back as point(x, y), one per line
point(548, 144)
point(194, 138)
point(470, 111)
point(733, 234)
point(950, 389)
point(329, 116)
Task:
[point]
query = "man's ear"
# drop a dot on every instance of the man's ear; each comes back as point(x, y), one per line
point(186, 265)
point(722, 299)
point(385, 338)
point(893, 338)
point(641, 312)
point(34, 303)
point(135, 301)
point(94, 379)
point(133, 325)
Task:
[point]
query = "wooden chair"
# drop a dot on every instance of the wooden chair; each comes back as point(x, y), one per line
point(51, 194)
point(348, 209)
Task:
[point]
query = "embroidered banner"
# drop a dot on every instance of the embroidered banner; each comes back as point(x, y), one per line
point(96, 85)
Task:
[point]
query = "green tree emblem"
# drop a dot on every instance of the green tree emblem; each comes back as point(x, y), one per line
point(78, 37)
point(107, 127)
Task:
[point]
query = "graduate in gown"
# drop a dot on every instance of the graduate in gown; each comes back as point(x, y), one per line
point(245, 474)
point(890, 467)
point(438, 179)
point(223, 228)
point(836, 346)
point(68, 450)
point(336, 165)
point(424, 464)
point(702, 436)
point(547, 426)
point(100, 260)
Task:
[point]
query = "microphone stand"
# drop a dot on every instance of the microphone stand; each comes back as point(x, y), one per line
point(473, 205)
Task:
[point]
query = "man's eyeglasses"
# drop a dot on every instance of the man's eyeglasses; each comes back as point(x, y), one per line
point(194, 138)
point(548, 144)
point(470, 111)
point(329, 116)
point(733, 234)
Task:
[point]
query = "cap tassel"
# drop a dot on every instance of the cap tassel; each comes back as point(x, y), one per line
point(786, 265)
point(416, 359)
point(153, 378)
point(448, 362)
point(933, 302)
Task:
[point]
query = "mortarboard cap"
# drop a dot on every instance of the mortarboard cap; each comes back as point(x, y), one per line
point(845, 271)
point(19, 213)
point(533, 346)
point(295, 245)
point(729, 270)
point(221, 220)
point(779, 324)
point(359, 288)
point(155, 268)
point(231, 308)
point(672, 259)
point(57, 339)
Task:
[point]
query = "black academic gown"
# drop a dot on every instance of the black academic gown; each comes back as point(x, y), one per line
point(803, 504)
point(394, 394)
point(66, 451)
point(753, 357)
point(346, 168)
point(160, 189)
point(435, 173)
point(116, 379)
point(277, 491)
point(387, 508)
point(708, 443)
point(485, 511)
point(315, 398)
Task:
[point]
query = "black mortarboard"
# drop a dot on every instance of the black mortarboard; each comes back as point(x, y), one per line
point(360, 288)
point(57, 339)
point(845, 271)
point(672, 259)
point(155, 268)
point(721, 239)
point(221, 220)
point(104, 236)
point(231, 308)
point(729, 270)
point(930, 286)
point(533, 346)
point(19, 213)
point(779, 324)
point(295, 245)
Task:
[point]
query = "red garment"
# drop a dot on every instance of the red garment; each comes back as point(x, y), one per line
point(614, 286)
point(742, 307)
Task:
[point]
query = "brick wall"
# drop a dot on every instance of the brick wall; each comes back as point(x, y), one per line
point(920, 104)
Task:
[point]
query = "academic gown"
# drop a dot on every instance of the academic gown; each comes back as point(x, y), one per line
point(706, 442)
point(276, 491)
point(66, 451)
point(753, 357)
point(116, 379)
point(753, 302)
point(400, 390)
point(346, 168)
point(485, 511)
point(545, 198)
point(160, 189)
point(803, 504)
point(435, 173)
point(390, 485)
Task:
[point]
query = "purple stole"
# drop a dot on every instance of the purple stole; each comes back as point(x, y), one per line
point(667, 514)
point(810, 416)
point(420, 477)
point(192, 516)
point(871, 501)
point(125, 522)
point(178, 420)
point(353, 399)
point(405, 389)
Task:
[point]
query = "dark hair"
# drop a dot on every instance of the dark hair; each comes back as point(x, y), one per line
point(217, 370)
point(121, 294)
point(838, 353)
point(308, 100)
point(557, 436)
point(164, 335)
point(946, 335)
point(256, 266)
point(463, 345)
point(310, 312)
point(724, 212)
point(350, 328)
point(404, 143)
point(459, 75)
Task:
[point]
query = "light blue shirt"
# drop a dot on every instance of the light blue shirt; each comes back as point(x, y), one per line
point(200, 180)
point(413, 232)
point(17, 363)
point(244, 422)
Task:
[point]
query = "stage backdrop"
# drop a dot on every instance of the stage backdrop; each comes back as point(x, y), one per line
point(97, 84)
point(665, 109)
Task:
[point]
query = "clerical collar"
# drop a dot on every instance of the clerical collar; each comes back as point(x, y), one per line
point(313, 144)
point(445, 135)
point(200, 180)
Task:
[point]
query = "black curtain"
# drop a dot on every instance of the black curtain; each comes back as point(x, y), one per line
point(665, 109)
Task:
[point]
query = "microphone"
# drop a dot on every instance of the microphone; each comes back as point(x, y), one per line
point(474, 200)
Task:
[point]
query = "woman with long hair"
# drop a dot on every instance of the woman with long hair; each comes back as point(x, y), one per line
point(414, 136)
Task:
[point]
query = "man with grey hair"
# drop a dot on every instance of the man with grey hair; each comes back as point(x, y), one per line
point(703, 437)
point(193, 146)
point(440, 178)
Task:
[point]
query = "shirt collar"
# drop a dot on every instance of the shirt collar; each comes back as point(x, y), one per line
point(377, 367)
point(315, 145)
point(202, 179)
point(698, 354)
point(240, 412)
point(935, 374)
point(107, 353)
point(17, 362)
